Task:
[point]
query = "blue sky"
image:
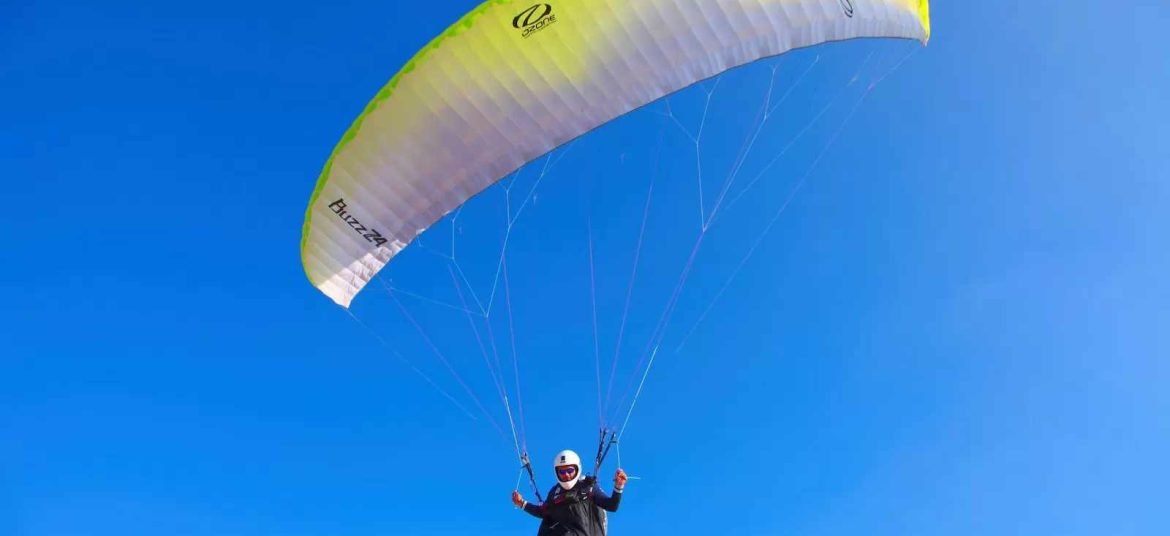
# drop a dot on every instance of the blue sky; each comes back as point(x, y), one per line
point(958, 326)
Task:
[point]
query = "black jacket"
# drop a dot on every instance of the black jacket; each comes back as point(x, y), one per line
point(579, 511)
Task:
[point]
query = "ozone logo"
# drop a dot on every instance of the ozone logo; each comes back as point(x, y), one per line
point(534, 19)
point(531, 16)
point(847, 5)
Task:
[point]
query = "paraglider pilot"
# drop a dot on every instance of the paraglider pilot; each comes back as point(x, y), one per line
point(576, 506)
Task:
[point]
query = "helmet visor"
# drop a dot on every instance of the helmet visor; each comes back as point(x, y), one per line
point(566, 473)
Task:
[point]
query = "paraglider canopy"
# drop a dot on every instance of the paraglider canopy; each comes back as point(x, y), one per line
point(511, 81)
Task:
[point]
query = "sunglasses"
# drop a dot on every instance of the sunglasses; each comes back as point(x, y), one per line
point(566, 472)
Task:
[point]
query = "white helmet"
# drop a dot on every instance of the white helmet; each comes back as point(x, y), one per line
point(567, 466)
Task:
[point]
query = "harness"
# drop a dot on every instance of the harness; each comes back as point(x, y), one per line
point(582, 492)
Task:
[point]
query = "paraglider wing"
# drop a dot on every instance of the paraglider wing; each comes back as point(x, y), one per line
point(513, 80)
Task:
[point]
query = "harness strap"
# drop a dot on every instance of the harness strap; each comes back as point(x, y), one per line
point(607, 439)
point(531, 475)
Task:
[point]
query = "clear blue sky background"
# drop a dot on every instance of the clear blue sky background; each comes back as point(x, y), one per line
point(959, 326)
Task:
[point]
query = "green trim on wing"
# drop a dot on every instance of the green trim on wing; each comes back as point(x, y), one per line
point(463, 24)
